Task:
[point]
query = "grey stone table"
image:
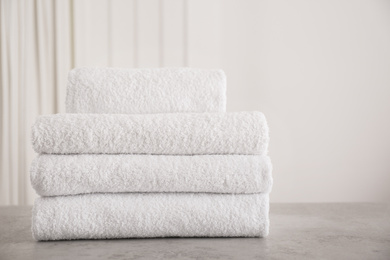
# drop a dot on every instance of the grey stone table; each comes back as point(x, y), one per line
point(298, 231)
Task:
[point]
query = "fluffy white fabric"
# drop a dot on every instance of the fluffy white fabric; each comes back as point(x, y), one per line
point(175, 134)
point(100, 216)
point(141, 91)
point(53, 175)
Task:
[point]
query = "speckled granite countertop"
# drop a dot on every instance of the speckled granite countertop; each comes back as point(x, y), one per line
point(298, 231)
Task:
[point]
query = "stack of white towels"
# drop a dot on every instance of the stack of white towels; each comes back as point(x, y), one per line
point(150, 153)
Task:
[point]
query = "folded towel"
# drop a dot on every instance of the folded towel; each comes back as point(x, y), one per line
point(141, 91)
point(53, 175)
point(101, 216)
point(175, 134)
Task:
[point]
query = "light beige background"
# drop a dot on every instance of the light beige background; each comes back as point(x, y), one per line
point(319, 70)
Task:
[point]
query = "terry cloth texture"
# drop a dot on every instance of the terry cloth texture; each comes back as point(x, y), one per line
point(169, 134)
point(101, 216)
point(142, 91)
point(53, 175)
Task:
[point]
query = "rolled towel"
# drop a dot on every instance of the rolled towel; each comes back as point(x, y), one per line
point(174, 134)
point(102, 216)
point(142, 91)
point(53, 175)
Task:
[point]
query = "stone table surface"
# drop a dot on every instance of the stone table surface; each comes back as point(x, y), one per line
point(298, 231)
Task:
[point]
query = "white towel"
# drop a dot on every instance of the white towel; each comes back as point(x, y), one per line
point(101, 216)
point(53, 175)
point(175, 134)
point(142, 91)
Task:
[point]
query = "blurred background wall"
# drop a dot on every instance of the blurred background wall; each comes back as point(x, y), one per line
point(319, 70)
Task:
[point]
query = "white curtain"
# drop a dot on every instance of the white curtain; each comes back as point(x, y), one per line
point(36, 54)
point(41, 40)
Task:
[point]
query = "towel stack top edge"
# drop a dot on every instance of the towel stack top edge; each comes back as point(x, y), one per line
point(163, 134)
point(144, 91)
